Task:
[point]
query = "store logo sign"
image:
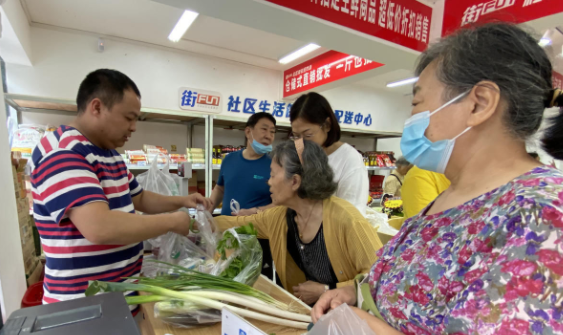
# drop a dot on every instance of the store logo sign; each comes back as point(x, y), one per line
point(197, 100)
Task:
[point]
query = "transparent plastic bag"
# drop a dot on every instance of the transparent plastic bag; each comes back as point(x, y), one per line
point(196, 251)
point(380, 221)
point(161, 182)
point(183, 314)
point(341, 321)
point(247, 258)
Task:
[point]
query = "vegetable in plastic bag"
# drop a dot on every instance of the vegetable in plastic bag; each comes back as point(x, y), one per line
point(244, 264)
point(341, 321)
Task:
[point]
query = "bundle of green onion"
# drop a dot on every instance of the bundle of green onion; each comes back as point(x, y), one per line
point(190, 290)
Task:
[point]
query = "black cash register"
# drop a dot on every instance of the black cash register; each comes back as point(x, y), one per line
point(104, 314)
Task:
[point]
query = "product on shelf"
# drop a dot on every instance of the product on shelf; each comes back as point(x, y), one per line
point(178, 158)
point(217, 154)
point(195, 155)
point(136, 157)
point(379, 158)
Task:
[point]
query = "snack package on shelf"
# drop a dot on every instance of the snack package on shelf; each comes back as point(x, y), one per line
point(387, 160)
point(178, 158)
point(195, 155)
point(136, 157)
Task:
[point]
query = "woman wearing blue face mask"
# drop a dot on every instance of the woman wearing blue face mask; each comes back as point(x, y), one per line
point(486, 256)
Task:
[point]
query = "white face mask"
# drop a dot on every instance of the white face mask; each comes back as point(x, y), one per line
point(419, 150)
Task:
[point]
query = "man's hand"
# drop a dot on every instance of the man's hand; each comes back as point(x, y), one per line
point(246, 212)
point(192, 200)
point(332, 299)
point(182, 223)
point(309, 292)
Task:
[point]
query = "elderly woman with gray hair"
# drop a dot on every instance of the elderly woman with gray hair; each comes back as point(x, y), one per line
point(318, 241)
point(394, 181)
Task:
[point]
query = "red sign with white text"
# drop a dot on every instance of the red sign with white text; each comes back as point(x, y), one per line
point(557, 80)
point(403, 22)
point(326, 68)
point(459, 13)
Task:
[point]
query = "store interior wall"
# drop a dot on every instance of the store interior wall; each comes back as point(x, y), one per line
point(62, 58)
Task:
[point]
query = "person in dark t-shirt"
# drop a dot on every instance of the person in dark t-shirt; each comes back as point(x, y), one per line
point(244, 177)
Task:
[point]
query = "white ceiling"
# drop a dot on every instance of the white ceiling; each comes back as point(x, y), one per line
point(151, 22)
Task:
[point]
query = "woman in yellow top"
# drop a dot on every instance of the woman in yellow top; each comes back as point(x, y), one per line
point(420, 188)
point(318, 241)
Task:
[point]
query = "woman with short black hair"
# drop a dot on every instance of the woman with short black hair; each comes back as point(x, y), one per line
point(318, 241)
point(313, 119)
point(486, 257)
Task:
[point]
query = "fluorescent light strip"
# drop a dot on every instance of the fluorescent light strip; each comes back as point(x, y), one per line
point(544, 42)
point(299, 53)
point(182, 26)
point(403, 82)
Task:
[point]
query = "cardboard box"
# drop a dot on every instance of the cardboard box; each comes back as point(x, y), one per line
point(35, 275)
point(29, 265)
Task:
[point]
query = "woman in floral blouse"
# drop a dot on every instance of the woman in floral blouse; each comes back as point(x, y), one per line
point(486, 257)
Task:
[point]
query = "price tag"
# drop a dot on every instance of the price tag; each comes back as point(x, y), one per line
point(233, 324)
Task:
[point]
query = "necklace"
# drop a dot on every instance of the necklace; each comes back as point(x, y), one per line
point(306, 222)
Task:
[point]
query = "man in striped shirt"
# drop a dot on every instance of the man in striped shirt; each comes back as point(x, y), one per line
point(85, 197)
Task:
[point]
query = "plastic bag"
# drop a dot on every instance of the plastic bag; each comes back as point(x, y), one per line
point(380, 221)
point(183, 314)
point(247, 259)
point(161, 182)
point(341, 321)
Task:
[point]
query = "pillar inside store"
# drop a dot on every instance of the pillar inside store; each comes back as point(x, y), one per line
point(12, 274)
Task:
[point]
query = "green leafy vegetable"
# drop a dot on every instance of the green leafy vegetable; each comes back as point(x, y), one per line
point(245, 251)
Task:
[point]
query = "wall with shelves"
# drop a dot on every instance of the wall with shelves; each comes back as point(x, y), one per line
point(162, 134)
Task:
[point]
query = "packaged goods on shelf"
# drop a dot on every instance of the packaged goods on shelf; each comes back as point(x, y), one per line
point(154, 149)
point(26, 138)
point(136, 157)
point(195, 150)
point(178, 158)
point(217, 157)
point(379, 158)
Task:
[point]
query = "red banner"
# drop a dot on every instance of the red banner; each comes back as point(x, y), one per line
point(404, 22)
point(557, 80)
point(459, 13)
point(326, 68)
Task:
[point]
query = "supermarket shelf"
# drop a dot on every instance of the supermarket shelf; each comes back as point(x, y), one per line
point(172, 167)
point(376, 168)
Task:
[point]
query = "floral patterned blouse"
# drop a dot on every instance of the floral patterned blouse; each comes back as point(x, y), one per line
point(493, 265)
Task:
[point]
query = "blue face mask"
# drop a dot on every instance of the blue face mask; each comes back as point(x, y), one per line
point(419, 150)
point(260, 148)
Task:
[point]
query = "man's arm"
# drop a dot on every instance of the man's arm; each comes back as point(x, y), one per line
point(100, 225)
point(217, 196)
point(154, 203)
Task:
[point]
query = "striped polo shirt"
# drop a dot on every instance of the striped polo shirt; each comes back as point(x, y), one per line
point(69, 171)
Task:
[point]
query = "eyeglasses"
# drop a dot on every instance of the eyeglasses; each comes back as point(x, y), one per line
point(294, 137)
